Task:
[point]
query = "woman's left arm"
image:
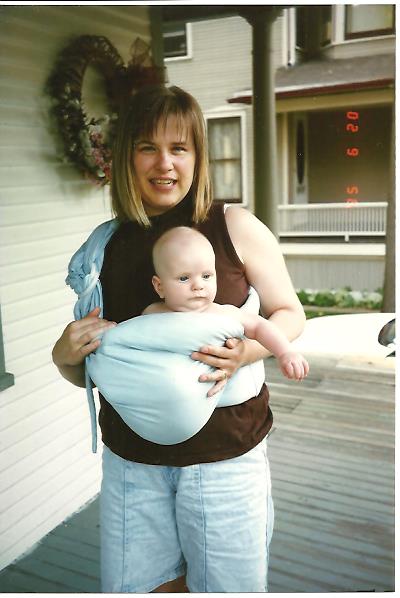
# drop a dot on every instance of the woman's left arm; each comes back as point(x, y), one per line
point(266, 271)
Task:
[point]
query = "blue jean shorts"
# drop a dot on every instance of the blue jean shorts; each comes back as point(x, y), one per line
point(211, 522)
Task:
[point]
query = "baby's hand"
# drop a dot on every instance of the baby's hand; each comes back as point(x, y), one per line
point(293, 365)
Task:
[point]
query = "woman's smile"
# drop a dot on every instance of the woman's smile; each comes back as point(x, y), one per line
point(164, 184)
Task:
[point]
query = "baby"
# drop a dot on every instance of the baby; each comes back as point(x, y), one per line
point(185, 279)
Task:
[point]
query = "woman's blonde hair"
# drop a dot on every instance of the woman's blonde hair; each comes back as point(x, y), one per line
point(148, 108)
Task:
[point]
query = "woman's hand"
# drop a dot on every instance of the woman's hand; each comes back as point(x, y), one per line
point(79, 339)
point(226, 360)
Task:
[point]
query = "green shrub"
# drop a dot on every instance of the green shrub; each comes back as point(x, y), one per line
point(343, 297)
point(303, 296)
point(324, 299)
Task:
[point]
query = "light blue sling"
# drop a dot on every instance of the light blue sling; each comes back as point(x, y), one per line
point(143, 366)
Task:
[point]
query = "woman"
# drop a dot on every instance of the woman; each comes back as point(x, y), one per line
point(200, 512)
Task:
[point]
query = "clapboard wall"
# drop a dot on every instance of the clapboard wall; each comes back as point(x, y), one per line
point(47, 209)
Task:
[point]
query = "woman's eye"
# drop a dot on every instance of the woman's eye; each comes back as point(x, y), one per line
point(147, 149)
point(178, 149)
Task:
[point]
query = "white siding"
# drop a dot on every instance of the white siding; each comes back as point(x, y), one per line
point(327, 272)
point(328, 266)
point(47, 470)
point(221, 61)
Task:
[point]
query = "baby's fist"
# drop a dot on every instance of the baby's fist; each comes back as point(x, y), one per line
point(293, 365)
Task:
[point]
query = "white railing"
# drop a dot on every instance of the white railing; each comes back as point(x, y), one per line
point(332, 219)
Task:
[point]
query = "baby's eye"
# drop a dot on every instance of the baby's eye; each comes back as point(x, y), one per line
point(207, 276)
point(183, 278)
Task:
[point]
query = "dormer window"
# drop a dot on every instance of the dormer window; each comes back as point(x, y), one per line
point(369, 20)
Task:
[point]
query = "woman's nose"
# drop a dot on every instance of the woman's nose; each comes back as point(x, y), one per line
point(164, 161)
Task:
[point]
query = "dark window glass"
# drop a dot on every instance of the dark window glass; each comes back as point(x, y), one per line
point(6, 379)
point(301, 17)
point(300, 152)
point(175, 41)
point(326, 25)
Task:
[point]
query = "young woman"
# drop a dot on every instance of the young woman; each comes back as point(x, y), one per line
point(197, 515)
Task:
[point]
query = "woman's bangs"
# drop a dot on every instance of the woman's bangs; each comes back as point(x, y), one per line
point(157, 116)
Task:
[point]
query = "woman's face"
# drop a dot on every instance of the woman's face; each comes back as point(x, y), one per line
point(164, 166)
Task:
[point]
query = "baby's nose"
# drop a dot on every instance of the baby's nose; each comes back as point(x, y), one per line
point(198, 284)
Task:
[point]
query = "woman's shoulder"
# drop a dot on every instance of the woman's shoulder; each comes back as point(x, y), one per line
point(246, 230)
point(239, 216)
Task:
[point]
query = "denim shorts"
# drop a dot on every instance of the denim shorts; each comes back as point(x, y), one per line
point(211, 522)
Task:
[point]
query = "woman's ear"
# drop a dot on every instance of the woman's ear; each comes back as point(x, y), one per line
point(157, 286)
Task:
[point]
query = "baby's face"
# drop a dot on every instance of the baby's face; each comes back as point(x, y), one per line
point(189, 282)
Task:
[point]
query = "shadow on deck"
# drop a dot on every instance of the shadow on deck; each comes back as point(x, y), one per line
point(331, 452)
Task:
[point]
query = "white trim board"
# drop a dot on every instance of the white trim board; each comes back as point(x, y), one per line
point(334, 249)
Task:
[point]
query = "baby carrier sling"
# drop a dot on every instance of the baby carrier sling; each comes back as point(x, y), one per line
point(143, 365)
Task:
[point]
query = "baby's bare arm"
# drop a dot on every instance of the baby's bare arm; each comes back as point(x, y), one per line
point(292, 364)
point(256, 328)
point(265, 332)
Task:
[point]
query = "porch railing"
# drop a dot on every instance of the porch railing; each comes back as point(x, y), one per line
point(333, 219)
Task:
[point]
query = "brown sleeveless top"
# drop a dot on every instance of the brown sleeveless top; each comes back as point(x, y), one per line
point(127, 290)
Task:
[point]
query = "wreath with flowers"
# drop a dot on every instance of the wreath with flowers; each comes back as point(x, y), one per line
point(87, 141)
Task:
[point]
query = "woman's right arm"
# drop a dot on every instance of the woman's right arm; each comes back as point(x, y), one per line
point(79, 339)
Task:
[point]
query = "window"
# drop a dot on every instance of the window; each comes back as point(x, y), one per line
point(300, 152)
point(301, 28)
point(326, 25)
point(6, 379)
point(225, 155)
point(177, 41)
point(369, 20)
point(313, 28)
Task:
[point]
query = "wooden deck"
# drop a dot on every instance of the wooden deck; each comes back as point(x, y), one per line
point(332, 459)
point(332, 464)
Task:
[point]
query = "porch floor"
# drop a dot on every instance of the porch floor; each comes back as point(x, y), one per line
point(331, 453)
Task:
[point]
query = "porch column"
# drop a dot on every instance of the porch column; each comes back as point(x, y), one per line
point(389, 280)
point(266, 196)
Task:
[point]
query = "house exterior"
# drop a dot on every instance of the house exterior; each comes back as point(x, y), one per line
point(47, 469)
point(334, 92)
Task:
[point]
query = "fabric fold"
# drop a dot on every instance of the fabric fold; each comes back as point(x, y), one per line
point(144, 370)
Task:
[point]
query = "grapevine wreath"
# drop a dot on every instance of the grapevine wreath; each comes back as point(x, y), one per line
point(87, 140)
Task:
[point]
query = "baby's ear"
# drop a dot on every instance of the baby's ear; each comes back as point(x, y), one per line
point(157, 286)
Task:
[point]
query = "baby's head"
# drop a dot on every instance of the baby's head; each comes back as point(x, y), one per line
point(184, 263)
